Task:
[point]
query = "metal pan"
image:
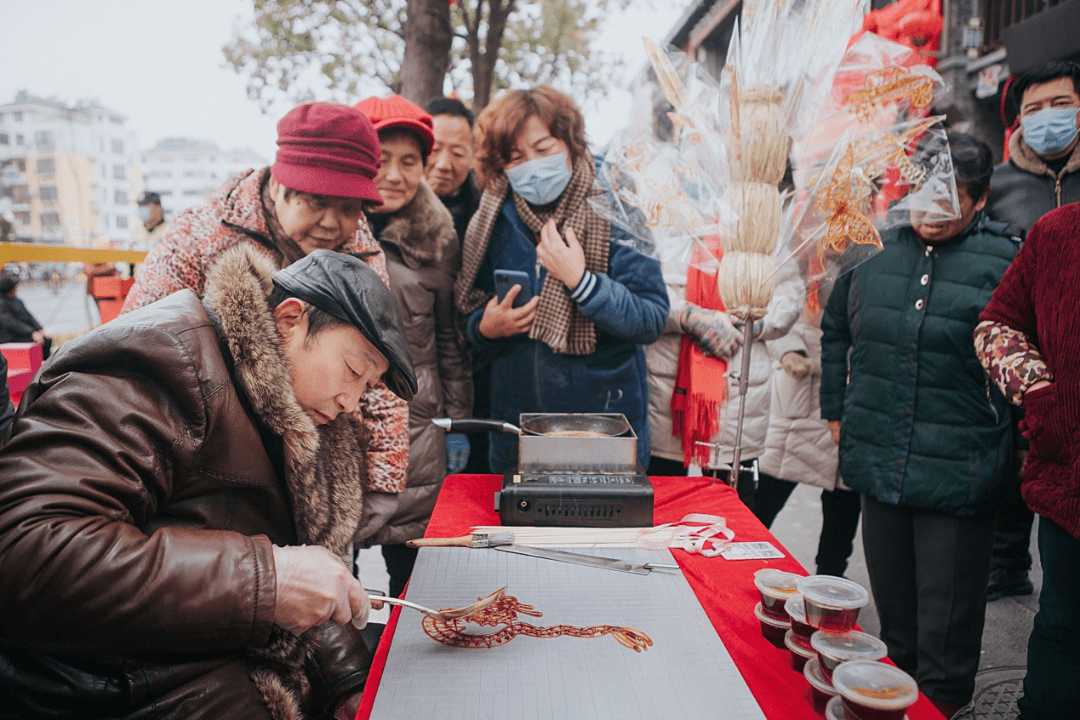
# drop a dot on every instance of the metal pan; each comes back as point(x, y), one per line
point(549, 425)
point(575, 425)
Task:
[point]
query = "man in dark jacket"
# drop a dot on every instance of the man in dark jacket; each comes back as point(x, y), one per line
point(16, 322)
point(449, 168)
point(450, 173)
point(178, 491)
point(1027, 342)
point(1043, 169)
point(923, 435)
point(1042, 173)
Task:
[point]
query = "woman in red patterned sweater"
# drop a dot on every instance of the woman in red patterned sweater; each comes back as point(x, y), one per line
point(313, 197)
point(1027, 341)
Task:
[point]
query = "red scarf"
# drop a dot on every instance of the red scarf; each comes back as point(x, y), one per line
point(699, 379)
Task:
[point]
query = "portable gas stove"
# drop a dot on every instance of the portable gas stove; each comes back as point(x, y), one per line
point(569, 476)
point(570, 481)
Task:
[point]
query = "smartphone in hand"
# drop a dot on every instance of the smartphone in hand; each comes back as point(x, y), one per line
point(506, 279)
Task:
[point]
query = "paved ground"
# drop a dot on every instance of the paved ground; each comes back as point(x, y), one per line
point(1008, 621)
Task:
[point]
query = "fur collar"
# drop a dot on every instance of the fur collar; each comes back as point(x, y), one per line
point(423, 230)
point(324, 466)
point(1021, 154)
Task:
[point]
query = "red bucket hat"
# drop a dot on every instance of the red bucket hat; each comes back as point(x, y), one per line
point(328, 149)
point(396, 111)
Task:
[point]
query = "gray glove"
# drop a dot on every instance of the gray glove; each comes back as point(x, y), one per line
point(712, 330)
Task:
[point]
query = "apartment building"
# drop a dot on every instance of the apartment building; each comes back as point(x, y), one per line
point(69, 173)
point(185, 171)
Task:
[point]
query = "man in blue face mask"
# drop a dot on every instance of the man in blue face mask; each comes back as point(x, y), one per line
point(1043, 170)
point(1042, 173)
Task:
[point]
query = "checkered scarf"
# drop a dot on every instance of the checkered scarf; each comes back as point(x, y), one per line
point(558, 323)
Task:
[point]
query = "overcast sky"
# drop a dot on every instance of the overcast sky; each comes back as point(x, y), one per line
point(159, 62)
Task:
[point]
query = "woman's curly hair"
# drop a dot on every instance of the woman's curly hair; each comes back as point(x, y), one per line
point(499, 124)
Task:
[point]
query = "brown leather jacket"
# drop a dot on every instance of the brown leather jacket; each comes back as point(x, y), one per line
point(151, 465)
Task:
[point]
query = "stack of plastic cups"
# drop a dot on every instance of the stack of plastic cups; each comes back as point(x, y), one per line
point(833, 649)
point(871, 690)
point(830, 605)
point(776, 588)
point(844, 673)
point(798, 640)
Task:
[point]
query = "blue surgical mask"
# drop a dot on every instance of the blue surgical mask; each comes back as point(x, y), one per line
point(542, 180)
point(1050, 131)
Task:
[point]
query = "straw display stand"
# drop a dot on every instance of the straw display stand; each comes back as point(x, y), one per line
point(763, 142)
point(746, 279)
point(761, 136)
point(757, 206)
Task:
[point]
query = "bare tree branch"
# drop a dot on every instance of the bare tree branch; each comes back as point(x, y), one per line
point(337, 48)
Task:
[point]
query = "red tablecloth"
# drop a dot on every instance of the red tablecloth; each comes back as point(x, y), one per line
point(724, 588)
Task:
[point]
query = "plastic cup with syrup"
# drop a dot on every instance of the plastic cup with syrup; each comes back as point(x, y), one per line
point(799, 655)
point(796, 610)
point(835, 709)
point(872, 690)
point(776, 587)
point(821, 689)
point(835, 648)
point(772, 629)
point(832, 603)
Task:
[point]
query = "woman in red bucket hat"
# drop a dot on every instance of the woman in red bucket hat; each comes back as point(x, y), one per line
point(313, 197)
point(423, 255)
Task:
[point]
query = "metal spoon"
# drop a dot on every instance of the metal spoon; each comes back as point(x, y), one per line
point(377, 601)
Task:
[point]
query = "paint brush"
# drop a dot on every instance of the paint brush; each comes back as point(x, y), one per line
point(474, 540)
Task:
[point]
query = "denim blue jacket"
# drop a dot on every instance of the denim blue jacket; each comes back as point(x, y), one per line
point(628, 305)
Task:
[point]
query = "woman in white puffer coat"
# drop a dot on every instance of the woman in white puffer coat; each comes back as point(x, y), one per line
point(799, 448)
point(721, 339)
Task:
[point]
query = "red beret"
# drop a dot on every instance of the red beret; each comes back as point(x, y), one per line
point(396, 111)
point(328, 149)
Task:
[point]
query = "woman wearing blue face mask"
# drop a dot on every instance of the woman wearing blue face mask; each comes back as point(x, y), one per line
point(576, 346)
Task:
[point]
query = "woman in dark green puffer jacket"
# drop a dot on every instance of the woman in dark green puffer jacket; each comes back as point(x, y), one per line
point(923, 433)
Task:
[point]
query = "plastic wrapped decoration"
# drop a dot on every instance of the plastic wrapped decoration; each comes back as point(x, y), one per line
point(656, 195)
point(841, 210)
point(877, 85)
point(664, 194)
point(880, 77)
point(790, 46)
point(780, 65)
point(692, 95)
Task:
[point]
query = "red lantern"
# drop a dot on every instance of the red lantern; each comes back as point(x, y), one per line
point(921, 27)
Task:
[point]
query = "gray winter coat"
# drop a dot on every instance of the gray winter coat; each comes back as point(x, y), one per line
point(799, 446)
point(1024, 189)
point(423, 257)
point(663, 358)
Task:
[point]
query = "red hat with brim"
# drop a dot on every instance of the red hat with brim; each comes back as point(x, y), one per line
point(328, 149)
point(397, 112)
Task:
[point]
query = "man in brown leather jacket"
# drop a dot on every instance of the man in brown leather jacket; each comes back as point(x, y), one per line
point(178, 492)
